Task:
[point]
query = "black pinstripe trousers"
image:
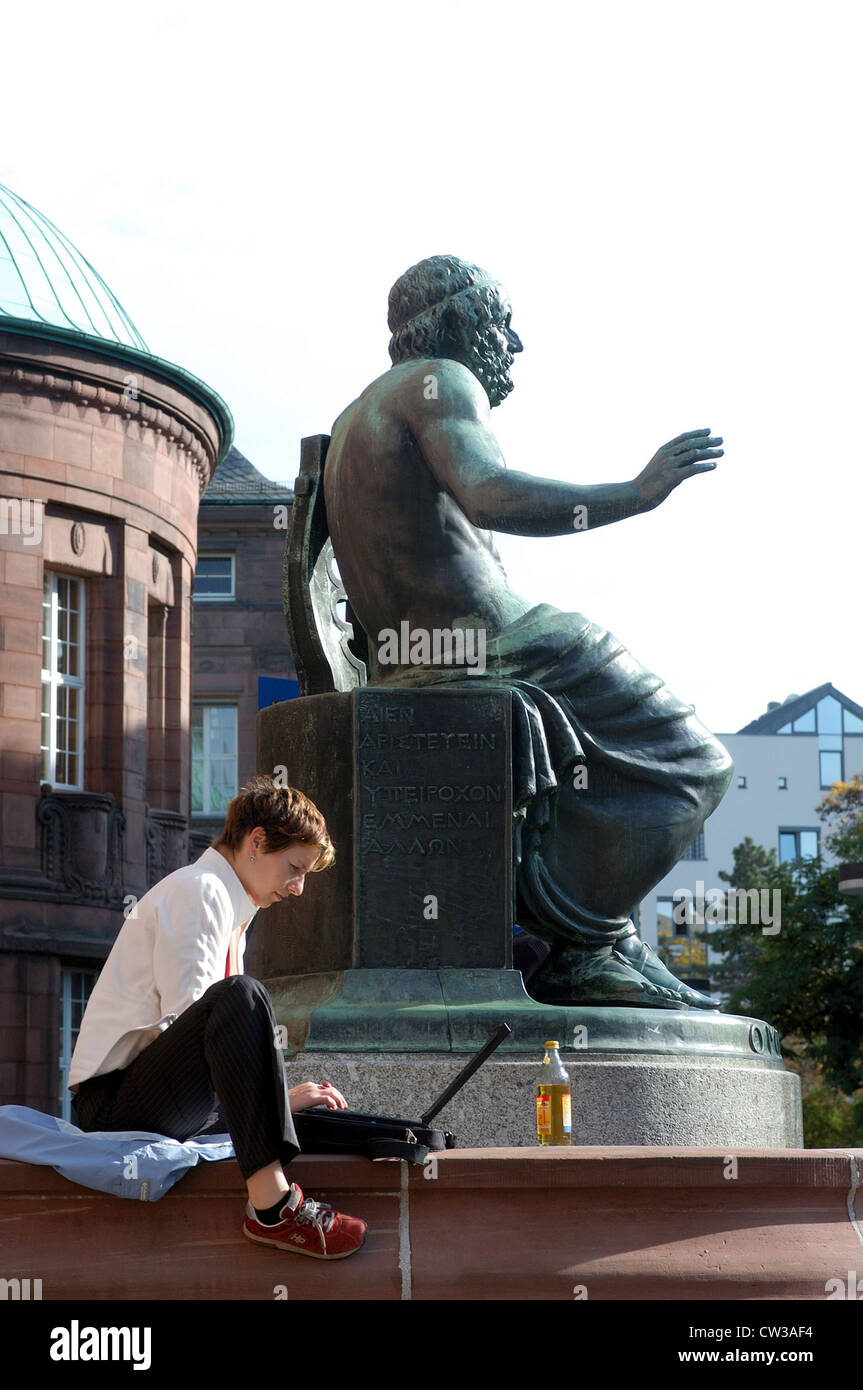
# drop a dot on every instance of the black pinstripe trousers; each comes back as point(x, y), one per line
point(220, 1054)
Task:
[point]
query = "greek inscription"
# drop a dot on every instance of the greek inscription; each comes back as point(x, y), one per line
point(379, 767)
point(431, 742)
point(447, 792)
point(415, 846)
point(435, 820)
point(388, 714)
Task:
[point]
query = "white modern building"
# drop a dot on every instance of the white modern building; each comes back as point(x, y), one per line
point(784, 762)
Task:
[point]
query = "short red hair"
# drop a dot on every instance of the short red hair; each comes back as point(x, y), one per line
point(286, 815)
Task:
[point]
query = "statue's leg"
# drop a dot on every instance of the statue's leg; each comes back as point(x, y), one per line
point(604, 840)
point(591, 847)
point(609, 842)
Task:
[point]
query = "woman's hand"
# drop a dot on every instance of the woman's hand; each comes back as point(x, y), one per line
point(316, 1093)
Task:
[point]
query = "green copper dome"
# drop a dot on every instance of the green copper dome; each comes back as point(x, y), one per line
point(45, 280)
point(49, 291)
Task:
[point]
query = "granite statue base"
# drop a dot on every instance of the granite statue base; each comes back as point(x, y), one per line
point(629, 1098)
point(391, 1040)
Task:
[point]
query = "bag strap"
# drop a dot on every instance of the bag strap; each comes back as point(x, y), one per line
point(397, 1148)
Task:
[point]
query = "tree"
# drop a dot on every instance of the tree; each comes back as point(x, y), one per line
point(807, 978)
point(842, 809)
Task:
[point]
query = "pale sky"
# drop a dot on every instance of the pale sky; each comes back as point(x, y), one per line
point(669, 191)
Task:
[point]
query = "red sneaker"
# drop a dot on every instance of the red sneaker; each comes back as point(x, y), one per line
point(308, 1227)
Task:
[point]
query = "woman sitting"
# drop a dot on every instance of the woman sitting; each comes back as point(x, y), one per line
point(174, 1031)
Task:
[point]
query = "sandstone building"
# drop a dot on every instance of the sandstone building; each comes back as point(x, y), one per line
point(105, 453)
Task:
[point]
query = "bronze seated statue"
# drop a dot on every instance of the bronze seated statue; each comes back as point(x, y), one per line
point(613, 776)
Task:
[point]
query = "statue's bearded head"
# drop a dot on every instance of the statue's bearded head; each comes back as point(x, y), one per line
point(444, 307)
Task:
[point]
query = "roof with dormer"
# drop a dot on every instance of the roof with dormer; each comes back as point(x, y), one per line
point(780, 717)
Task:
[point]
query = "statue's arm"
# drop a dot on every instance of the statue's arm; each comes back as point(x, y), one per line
point(454, 433)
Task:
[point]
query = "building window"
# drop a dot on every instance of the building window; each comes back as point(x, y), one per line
point(741, 783)
point(696, 849)
point(668, 925)
point(830, 764)
point(214, 758)
point(681, 941)
point(829, 716)
point(75, 990)
point(214, 578)
point(798, 844)
point(63, 680)
point(782, 784)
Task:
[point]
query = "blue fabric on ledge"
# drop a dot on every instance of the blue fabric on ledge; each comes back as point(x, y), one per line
point(137, 1165)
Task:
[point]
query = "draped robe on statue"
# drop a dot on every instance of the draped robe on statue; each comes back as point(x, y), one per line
point(590, 843)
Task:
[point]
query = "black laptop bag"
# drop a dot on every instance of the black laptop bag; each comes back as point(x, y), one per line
point(324, 1131)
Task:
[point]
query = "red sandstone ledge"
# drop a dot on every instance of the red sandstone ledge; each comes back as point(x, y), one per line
point(595, 1223)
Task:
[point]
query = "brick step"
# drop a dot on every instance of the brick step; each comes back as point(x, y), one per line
point(601, 1223)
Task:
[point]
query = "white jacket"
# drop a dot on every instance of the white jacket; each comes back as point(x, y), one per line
point(186, 933)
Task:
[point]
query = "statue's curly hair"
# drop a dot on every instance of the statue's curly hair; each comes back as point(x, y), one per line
point(441, 304)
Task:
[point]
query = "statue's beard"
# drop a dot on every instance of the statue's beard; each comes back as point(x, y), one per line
point(490, 361)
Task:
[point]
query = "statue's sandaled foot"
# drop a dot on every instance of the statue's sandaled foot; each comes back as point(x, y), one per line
point(645, 960)
point(575, 975)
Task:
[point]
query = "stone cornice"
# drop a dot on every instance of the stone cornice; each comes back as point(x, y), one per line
point(89, 392)
point(136, 388)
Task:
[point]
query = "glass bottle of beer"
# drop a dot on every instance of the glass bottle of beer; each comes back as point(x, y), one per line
point(553, 1099)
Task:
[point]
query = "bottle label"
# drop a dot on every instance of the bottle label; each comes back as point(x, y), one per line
point(567, 1112)
point(543, 1113)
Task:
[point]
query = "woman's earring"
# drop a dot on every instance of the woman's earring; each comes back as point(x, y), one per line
point(251, 859)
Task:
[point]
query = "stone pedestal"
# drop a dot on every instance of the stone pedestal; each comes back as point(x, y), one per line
point(623, 1099)
point(391, 1040)
point(394, 967)
point(639, 1076)
point(415, 788)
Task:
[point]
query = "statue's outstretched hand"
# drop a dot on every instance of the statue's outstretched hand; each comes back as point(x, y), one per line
point(683, 457)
